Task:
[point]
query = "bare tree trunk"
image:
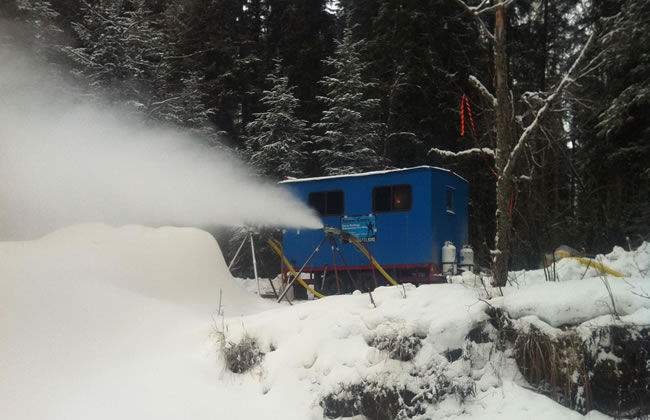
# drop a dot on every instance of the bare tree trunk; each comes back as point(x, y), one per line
point(504, 143)
point(508, 151)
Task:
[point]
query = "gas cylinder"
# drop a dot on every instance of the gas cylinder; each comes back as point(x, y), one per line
point(466, 258)
point(448, 258)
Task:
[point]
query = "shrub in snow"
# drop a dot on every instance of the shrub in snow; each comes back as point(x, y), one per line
point(437, 386)
point(374, 400)
point(242, 356)
point(554, 365)
point(399, 347)
point(379, 400)
point(239, 357)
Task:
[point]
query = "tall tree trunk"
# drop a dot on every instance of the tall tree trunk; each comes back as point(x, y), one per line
point(504, 136)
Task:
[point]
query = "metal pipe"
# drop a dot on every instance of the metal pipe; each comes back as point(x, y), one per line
point(237, 253)
point(257, 279)
point(322, 283)
point(336, 272)
point(345, 264)
point(374, 276)
point(275, 293)
point(278, 251)
point(302, 268)
point(347, 270)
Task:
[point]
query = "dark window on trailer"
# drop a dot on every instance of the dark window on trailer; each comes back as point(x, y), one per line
point(391, 198)
point(450, 200)
point(327, 203)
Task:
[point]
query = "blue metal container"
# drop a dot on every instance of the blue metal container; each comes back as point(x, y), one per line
point(404, 217)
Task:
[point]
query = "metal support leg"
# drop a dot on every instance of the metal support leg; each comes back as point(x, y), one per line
point(237, 253)
point(302, 269)
point(257, 279)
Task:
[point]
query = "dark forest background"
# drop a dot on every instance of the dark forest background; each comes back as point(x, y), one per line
point(312, 87)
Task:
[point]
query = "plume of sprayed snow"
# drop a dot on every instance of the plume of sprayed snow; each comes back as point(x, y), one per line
point(65, 161)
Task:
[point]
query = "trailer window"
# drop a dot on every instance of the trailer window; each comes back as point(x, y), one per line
point(327, 203)
point(391, 198)
point(450, 200)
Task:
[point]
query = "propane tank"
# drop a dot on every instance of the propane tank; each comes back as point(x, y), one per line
point(467, 258)
point(448, 258)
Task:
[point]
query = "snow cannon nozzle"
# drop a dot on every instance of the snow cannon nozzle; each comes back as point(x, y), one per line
point(332, 231)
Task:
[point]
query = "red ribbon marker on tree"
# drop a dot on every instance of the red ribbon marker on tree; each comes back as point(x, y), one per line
point(464, 101)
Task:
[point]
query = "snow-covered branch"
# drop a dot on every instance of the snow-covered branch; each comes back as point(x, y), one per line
point(401, 134)
point(480, 9)
point(525, 136)
point(462, 153)
point(483, 90)
point(475, 12)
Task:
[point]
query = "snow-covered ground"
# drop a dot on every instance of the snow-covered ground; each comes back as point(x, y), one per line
point(105, 323)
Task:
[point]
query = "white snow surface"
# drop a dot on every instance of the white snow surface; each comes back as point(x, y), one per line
point(580, 293)
point(105, 323)
point(118, 323)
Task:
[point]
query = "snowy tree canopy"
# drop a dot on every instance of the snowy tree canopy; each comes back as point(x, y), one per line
point(351, 134)
point(276, 139)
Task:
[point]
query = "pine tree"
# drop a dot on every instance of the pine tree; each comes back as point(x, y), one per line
point(276, 138)
point(301, 33)
point(41, 17)
point(38, 31)
point(127, 53)
point(121, 52)
point(351, 135)
point(612, 134)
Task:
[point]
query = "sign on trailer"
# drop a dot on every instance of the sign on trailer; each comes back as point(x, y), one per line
point(363, 227)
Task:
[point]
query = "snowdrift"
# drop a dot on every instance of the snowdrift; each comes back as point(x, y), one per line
point(580, 293)
point(105, 323)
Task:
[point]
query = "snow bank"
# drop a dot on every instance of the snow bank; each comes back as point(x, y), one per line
point(632, 264)
point(576, 301)
point(105, 323)
point(316, 347)
point(581, 292)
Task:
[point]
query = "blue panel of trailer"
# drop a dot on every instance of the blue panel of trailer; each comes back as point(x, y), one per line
point(409, 214)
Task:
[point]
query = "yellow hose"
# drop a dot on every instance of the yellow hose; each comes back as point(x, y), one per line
point(300, 280)
point(372, 260)
point(597, 266)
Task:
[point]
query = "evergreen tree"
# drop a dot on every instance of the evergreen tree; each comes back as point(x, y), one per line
point(541, 35)
point(612, 134)
point(126, 53)
point(351, 135)
point(223, 39)
point(37, 30)
point(121, 52)
point(276, 138)
point(301, 33)
point(41, 17)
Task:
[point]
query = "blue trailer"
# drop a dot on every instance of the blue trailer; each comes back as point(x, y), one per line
point(404, 217)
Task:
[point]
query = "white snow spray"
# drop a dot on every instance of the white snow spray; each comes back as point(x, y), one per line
point(64, 161)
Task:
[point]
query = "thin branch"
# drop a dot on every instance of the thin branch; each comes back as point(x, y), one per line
point(525, 136)
point(179, 57)
point(475, 14)
point(467, 152)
